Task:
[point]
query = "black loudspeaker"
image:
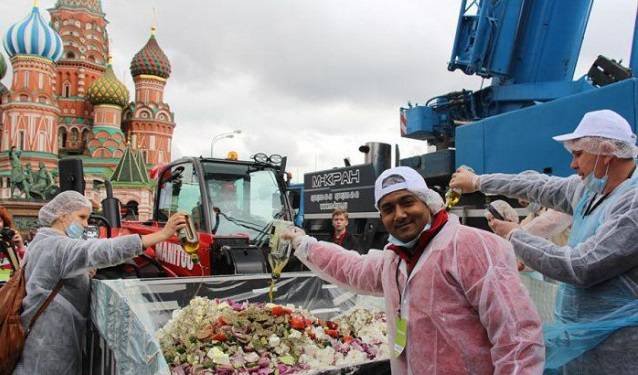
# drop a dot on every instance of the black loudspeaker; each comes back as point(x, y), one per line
point(71, 175)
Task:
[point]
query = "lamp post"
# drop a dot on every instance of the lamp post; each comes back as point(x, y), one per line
point(222, 136)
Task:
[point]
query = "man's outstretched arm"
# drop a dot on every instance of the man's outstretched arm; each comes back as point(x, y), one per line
point(349, 269)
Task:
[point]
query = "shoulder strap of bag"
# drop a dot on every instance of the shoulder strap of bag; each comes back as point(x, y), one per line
point(44, 305)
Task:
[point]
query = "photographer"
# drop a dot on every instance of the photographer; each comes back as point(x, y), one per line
point(11, 245)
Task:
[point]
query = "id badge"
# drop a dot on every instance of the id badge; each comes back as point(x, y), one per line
point(401, 338)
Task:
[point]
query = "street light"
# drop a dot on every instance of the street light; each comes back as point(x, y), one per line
point(222, 136)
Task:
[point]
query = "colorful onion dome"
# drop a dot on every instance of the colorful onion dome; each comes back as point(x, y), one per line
point(108, 90)
point(151, 60)
point(33, 36)
point(94, 6)
point(3, 66)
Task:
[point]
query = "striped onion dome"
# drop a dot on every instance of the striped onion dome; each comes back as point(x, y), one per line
point(108, 90)
point(33, 36)
point(151, 60)
point(3, 66)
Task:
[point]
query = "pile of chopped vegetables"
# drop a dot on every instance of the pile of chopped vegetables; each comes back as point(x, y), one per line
point(225, 337)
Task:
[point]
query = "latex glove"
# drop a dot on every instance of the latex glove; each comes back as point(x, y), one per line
point(501, 227)
point(293, 234)
point(464, 180)
point(173, 224)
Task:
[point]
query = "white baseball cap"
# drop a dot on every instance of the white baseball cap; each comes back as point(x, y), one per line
point(406, 178)
point(604, 123)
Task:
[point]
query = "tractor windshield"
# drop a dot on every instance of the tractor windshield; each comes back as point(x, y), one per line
point(244, 198)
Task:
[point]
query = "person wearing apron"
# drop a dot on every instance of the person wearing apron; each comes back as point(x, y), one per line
point(596, 313)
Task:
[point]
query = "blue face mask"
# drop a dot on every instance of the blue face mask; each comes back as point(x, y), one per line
point(595, 184)
point(395, 241)
point(75, 231)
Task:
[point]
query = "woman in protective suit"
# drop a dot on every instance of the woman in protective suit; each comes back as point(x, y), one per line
point(56, 253)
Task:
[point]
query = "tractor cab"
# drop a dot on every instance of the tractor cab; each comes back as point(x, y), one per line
point(232, 204)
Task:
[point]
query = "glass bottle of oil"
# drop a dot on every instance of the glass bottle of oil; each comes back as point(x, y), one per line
point(279, 254)
point(189, 238)
point(453, 196)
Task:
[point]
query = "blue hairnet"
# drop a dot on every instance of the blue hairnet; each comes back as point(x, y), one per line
point(63, 203)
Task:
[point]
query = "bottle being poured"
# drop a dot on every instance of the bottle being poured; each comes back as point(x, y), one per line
point(453, 196)
point(279, 254)
point(189, 239)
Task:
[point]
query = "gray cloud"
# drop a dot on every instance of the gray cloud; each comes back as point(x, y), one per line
point(309, 79)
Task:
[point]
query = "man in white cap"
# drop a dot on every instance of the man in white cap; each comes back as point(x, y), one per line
point(454, 302)
point(597, 303)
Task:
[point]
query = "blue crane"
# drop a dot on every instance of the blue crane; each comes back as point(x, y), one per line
point(529, 50)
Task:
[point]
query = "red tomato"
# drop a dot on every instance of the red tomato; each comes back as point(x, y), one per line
point(280, 310)
point(220, 322)
point(347, 339)
point(219, 337)
point(277, 311)
point(332, 333)
point(297, 322)
point(308, 322)
point(332, 325)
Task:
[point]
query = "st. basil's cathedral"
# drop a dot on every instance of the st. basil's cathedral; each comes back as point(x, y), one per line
point(65, 101)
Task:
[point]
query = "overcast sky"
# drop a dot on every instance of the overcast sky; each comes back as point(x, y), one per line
point(309, 79)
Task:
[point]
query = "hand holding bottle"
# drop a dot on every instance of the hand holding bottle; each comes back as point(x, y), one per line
point(293, 233)
point(464, 180)
point(459, 185)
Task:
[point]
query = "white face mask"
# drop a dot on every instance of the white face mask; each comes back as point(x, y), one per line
point(395, 241)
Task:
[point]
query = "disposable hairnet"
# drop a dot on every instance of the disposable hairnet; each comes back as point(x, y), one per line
point(63, 203)
point(406, 178)
point(504, 208)
point(55, 342)
point(495, 328)
point(603, 146)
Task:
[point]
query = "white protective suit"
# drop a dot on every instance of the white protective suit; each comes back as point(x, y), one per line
point(54, 344)
point(600, 273)
point(466, 309)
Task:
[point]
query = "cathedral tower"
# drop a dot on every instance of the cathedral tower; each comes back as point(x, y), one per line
point(108, 96)
point(82, 26)
point(149, 122)
point(30, 112)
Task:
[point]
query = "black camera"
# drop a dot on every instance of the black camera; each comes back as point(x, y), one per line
point(6, 244)
point(6, 235)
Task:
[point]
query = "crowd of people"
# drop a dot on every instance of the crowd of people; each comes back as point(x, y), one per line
point(453, 295)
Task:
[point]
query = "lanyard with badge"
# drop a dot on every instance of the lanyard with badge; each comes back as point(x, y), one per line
point(401, 338)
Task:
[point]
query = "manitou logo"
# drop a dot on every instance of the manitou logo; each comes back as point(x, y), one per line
point(173, 254)
point(334, 178)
